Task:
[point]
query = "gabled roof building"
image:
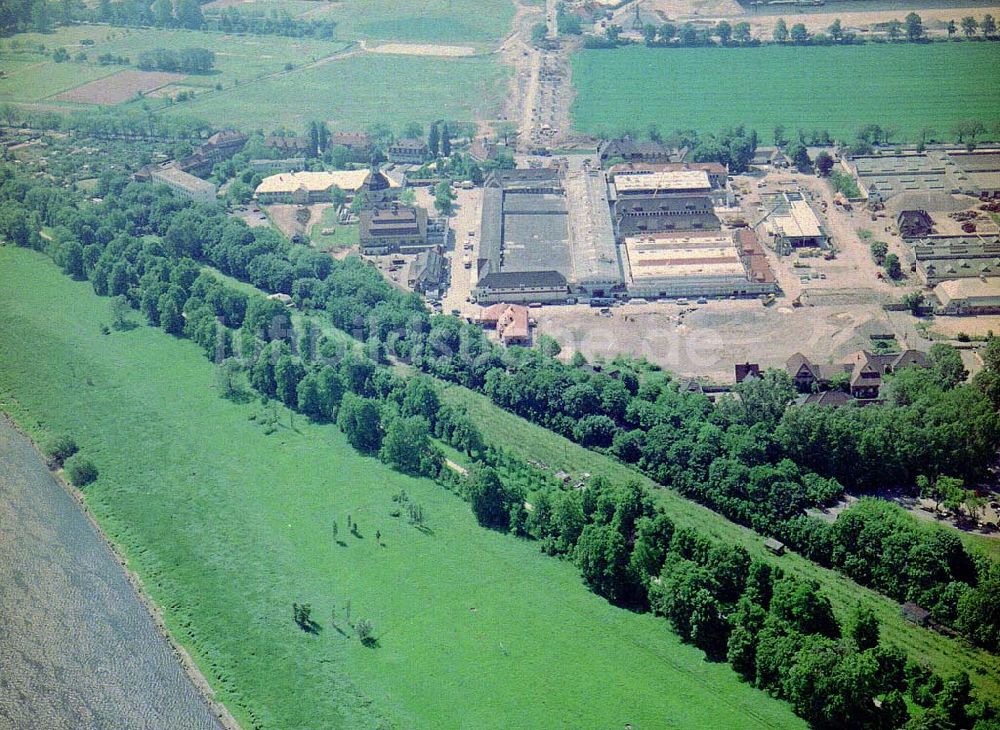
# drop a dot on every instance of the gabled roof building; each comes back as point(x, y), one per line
point(866, 371)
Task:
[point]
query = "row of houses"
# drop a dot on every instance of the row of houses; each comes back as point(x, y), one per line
point(863, 373)
point(884, 176)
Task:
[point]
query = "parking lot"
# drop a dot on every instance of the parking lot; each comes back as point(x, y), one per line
point(465, 220)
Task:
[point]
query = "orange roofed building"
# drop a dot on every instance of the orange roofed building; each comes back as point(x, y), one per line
point(509, 320)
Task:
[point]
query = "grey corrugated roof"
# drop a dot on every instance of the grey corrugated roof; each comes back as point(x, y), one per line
point(523, 279)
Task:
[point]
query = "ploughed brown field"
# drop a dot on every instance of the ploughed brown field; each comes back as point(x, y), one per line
point(119, 87)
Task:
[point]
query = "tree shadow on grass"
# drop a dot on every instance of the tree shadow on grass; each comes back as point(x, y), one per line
point(310, 627)
point(239, 396)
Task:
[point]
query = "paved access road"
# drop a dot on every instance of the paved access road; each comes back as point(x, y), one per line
point(77, 648)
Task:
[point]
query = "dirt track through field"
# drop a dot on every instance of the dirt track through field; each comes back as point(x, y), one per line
point(79, 650)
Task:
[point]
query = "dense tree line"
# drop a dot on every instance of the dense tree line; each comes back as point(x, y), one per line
point(111, 123)
point(751, 458)
point(23, 15)
point(234, 20)
point(41, 15)
point(144, 246)
point(188, 60)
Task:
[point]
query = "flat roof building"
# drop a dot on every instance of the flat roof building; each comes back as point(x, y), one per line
point(881, 177)
point(524, 241)
point(792, 223)
point(393, 229)
point(652, 183)
point(652, 213)
point(709, 263)
point(521, 286)
point(940, 258)
point(198, 190)
point(596, 265)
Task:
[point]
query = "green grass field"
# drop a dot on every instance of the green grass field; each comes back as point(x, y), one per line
point(227, 526)
point(343, 236)
point(405, 21)
point(258, 92)
point(356, 91)
point(425, 21)
point(31, 78)
point(537, 444)
point(904, 86)
point(34, 76)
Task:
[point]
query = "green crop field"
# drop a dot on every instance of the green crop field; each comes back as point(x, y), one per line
point(425, 21)
point(409, 21)
point(534, 443)
point(355, 91)
point(838, 89)
point(227, 526)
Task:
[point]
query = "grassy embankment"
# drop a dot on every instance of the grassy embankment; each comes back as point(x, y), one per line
point(227, 526)
point(534, 443)
point(833, 88)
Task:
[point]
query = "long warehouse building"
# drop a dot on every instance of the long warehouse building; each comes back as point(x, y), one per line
point(695, 264)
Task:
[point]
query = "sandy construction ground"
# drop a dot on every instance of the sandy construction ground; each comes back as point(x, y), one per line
point(417, 49)
point(707, 340)
point(979, 326)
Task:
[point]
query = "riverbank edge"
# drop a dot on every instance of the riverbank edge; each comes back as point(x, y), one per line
point(204, 688)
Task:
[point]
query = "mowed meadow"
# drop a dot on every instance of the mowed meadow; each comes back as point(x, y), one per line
point(227, 526)
point(259, 82)
point(905, 86)
point(359, 90)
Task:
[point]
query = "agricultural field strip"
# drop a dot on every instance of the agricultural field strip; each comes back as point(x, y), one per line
point(35, 80)
point(144, 384)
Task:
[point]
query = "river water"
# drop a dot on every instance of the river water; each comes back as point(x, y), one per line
point(77, 648)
